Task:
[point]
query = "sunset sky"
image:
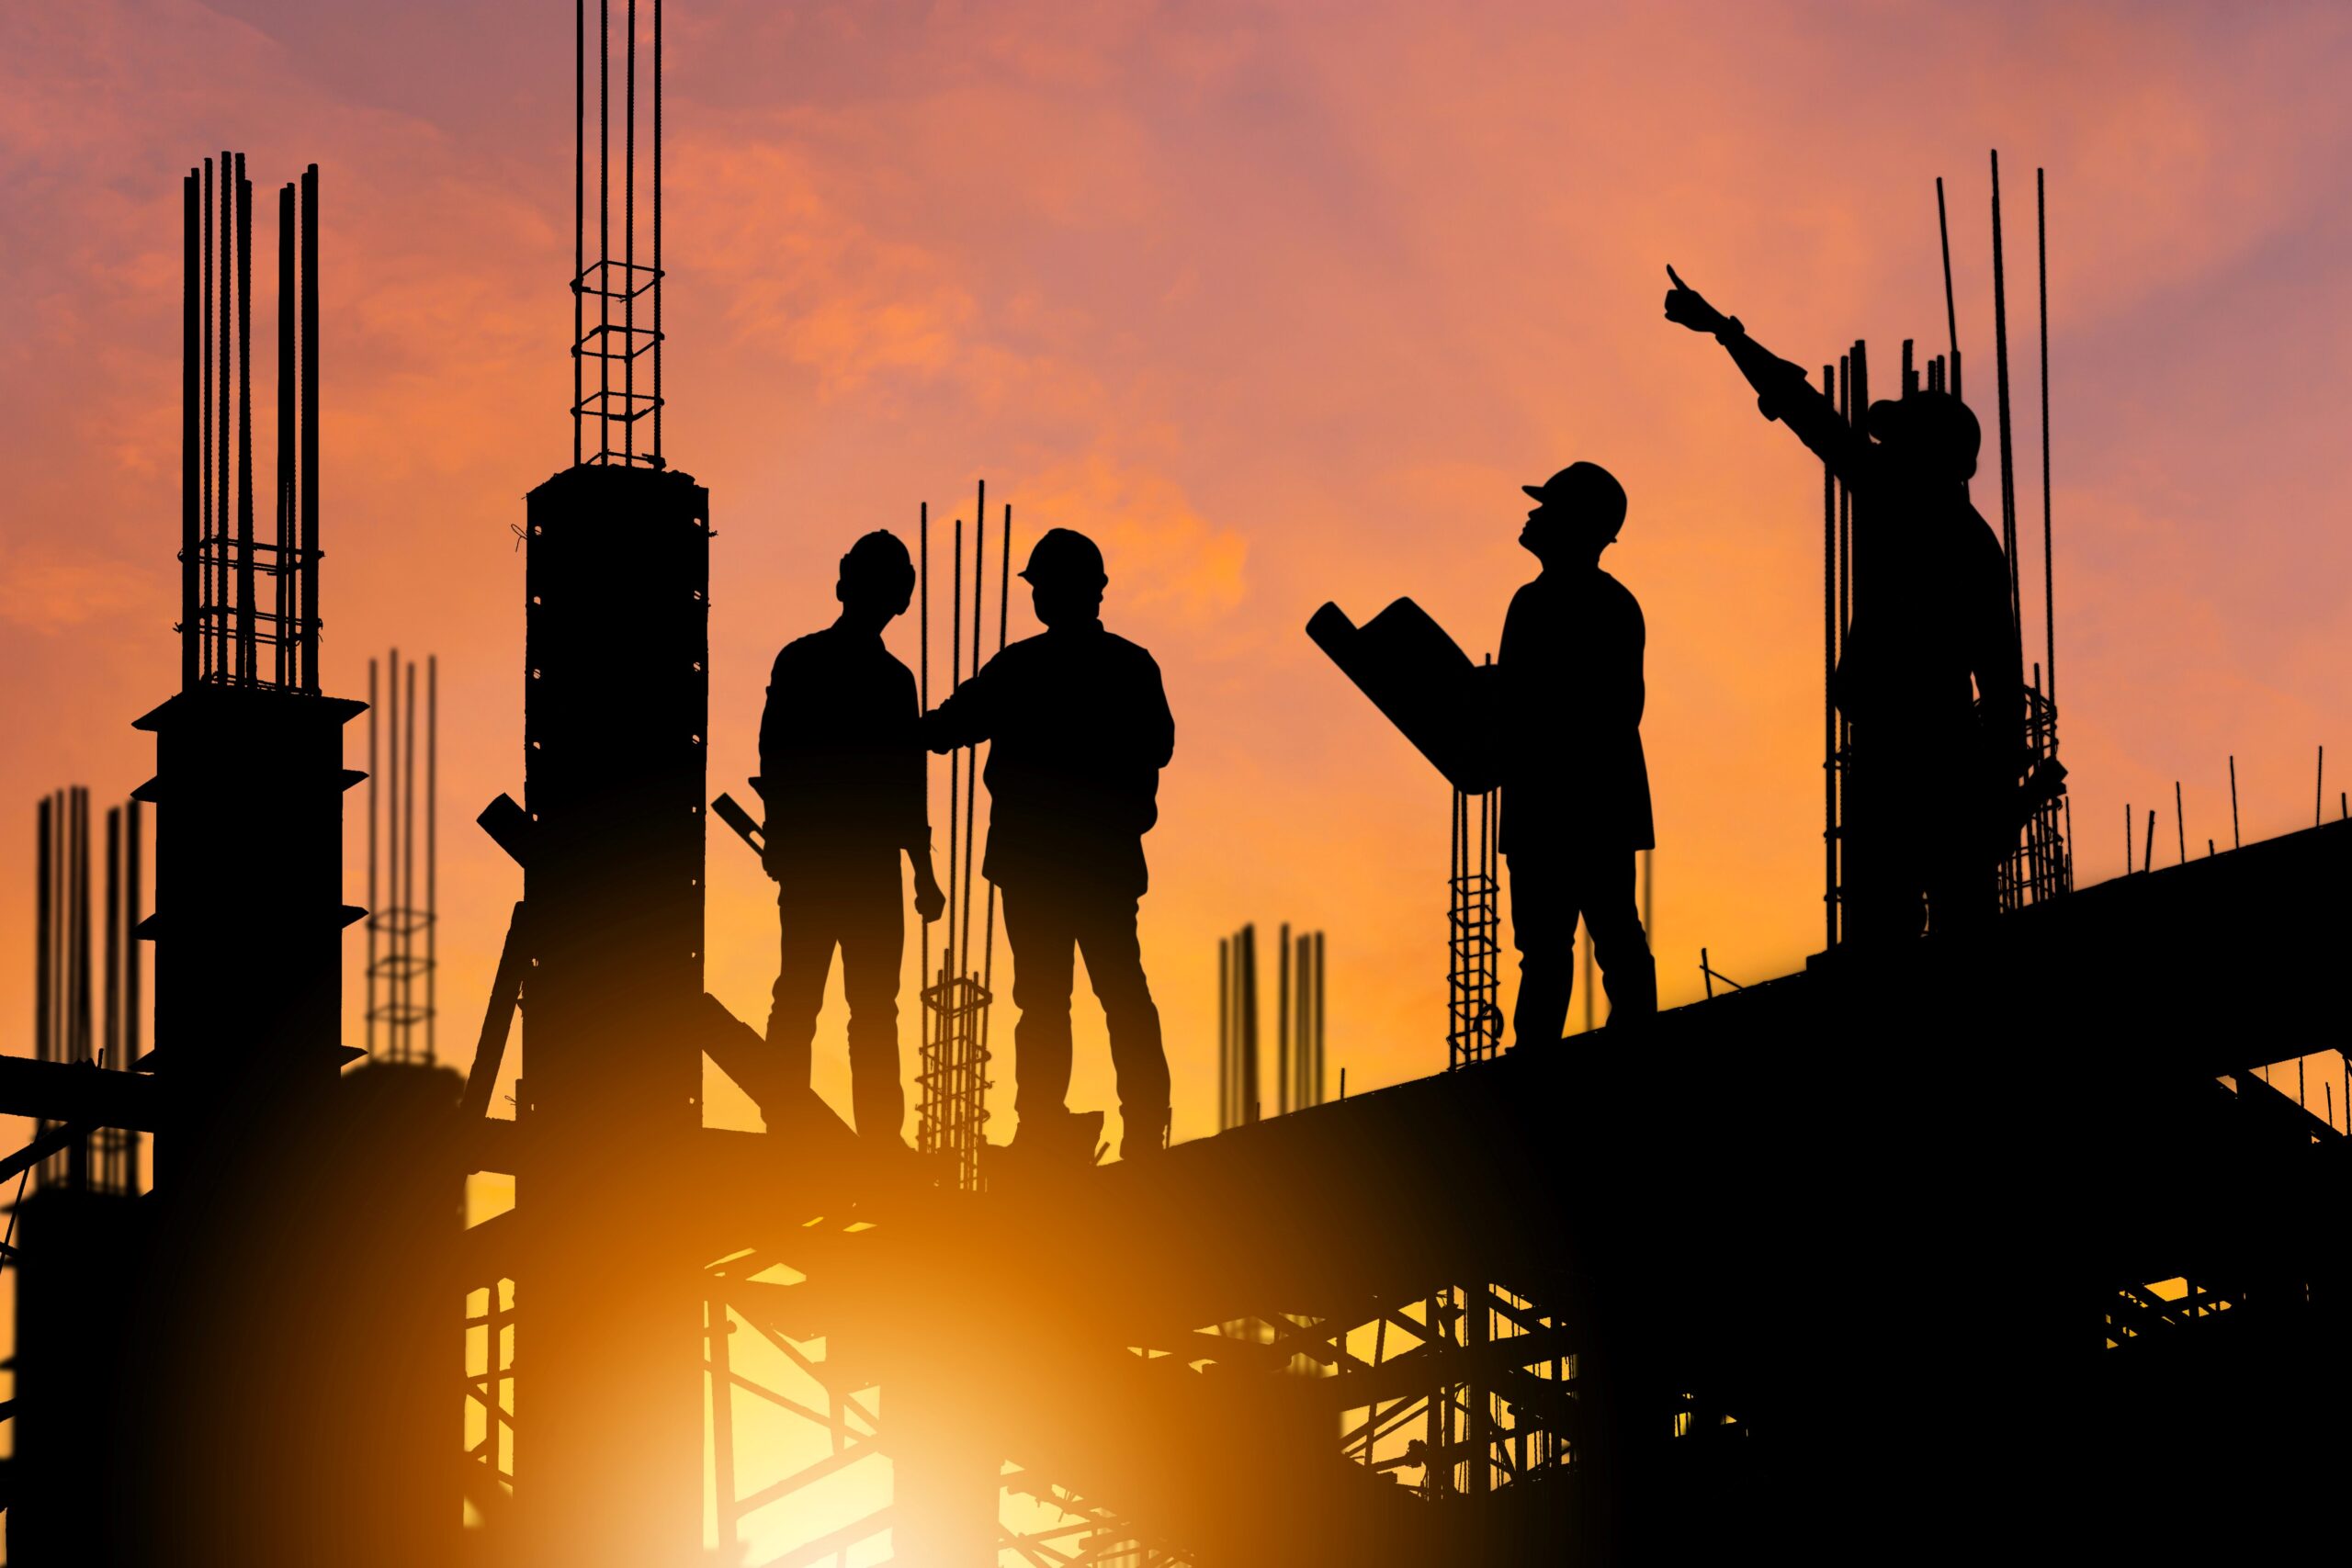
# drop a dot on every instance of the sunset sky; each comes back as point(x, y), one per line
point(1281, 304)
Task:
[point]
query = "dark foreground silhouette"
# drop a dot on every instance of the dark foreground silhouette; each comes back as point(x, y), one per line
point(1079, 728)
point(843, 777)
point(1929, 768)
point(1576, 788)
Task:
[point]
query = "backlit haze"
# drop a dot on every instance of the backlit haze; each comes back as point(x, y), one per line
point(1281, 305)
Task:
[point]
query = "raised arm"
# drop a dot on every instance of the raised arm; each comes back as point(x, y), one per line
point(1783, 390)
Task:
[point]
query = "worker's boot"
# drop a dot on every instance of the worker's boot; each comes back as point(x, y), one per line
point(1632, 995)
point(1056, 1139)
point(1144, 1134)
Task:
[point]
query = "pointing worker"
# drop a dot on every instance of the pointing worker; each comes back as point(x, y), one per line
point(1932, 681)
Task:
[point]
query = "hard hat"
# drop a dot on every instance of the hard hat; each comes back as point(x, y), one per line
point(1064, 557)
point(1586, 486)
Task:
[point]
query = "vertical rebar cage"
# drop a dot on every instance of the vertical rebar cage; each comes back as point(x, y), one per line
point(617, 298)
point(402, 935)
point(1474, 1013)
point(952, 1106)
point(225, 624)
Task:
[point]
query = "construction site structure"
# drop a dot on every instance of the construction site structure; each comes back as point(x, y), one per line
point(291, 1204)
point(1690, 1299)
point(1300, 993)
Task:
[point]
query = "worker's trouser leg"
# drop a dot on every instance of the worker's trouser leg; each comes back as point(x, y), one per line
point(1918, 846)
point(1106, 935)
point(1047, 928)
point(863, 915)
point(1044, 967)
point(1549, 888)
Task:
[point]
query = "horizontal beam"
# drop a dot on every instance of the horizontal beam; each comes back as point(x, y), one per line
point(79, 1092)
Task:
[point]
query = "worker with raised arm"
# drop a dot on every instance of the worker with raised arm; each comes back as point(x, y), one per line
point(1576, 787)
point(842, 771)
point(1931, 683)
point(1078, 728)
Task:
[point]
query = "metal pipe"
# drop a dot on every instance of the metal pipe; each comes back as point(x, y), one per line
point(2041, 270)
point(1319, 958)
point(133, 901)
point(1250, 1022)
point(604, 225)
point(2148, 851)
point(1004, 612)
point(374, 910)
point(287, 529)
point(1282, 1021)
point(1951, 315)
point(1224, 1037)
point(218, 629)
point(972, 752)
point(110, 1051)
point(248, 666)
point(432, 858)
point(309, 465)
point(2235, 841)
point(628, 243)
point(1854, 504)
point(44, 936)
point(955, 756)
point(408, 873)
point(2001, 384)
point(657, 234)
point(131, 989)
point(395, 1033)
point(191, 434)
point(1829, 759)
point(579, 204)
point(922, 700)
point(81, 1050)
point(2181, 821)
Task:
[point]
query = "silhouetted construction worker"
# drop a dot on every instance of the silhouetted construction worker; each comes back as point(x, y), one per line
point(1576, 788)
point(1930, 758)
point(842, 771)
point(1079, 728)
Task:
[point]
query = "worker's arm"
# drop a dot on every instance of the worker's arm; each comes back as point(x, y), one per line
point(783, 721)
point(912, 785)
point(1783, 390)
point(968, 716)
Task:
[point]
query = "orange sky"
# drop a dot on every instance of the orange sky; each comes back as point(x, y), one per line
point(1282, 305)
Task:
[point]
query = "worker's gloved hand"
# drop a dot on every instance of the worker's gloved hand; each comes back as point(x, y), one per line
point(930, 902)
point(1685, 307)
